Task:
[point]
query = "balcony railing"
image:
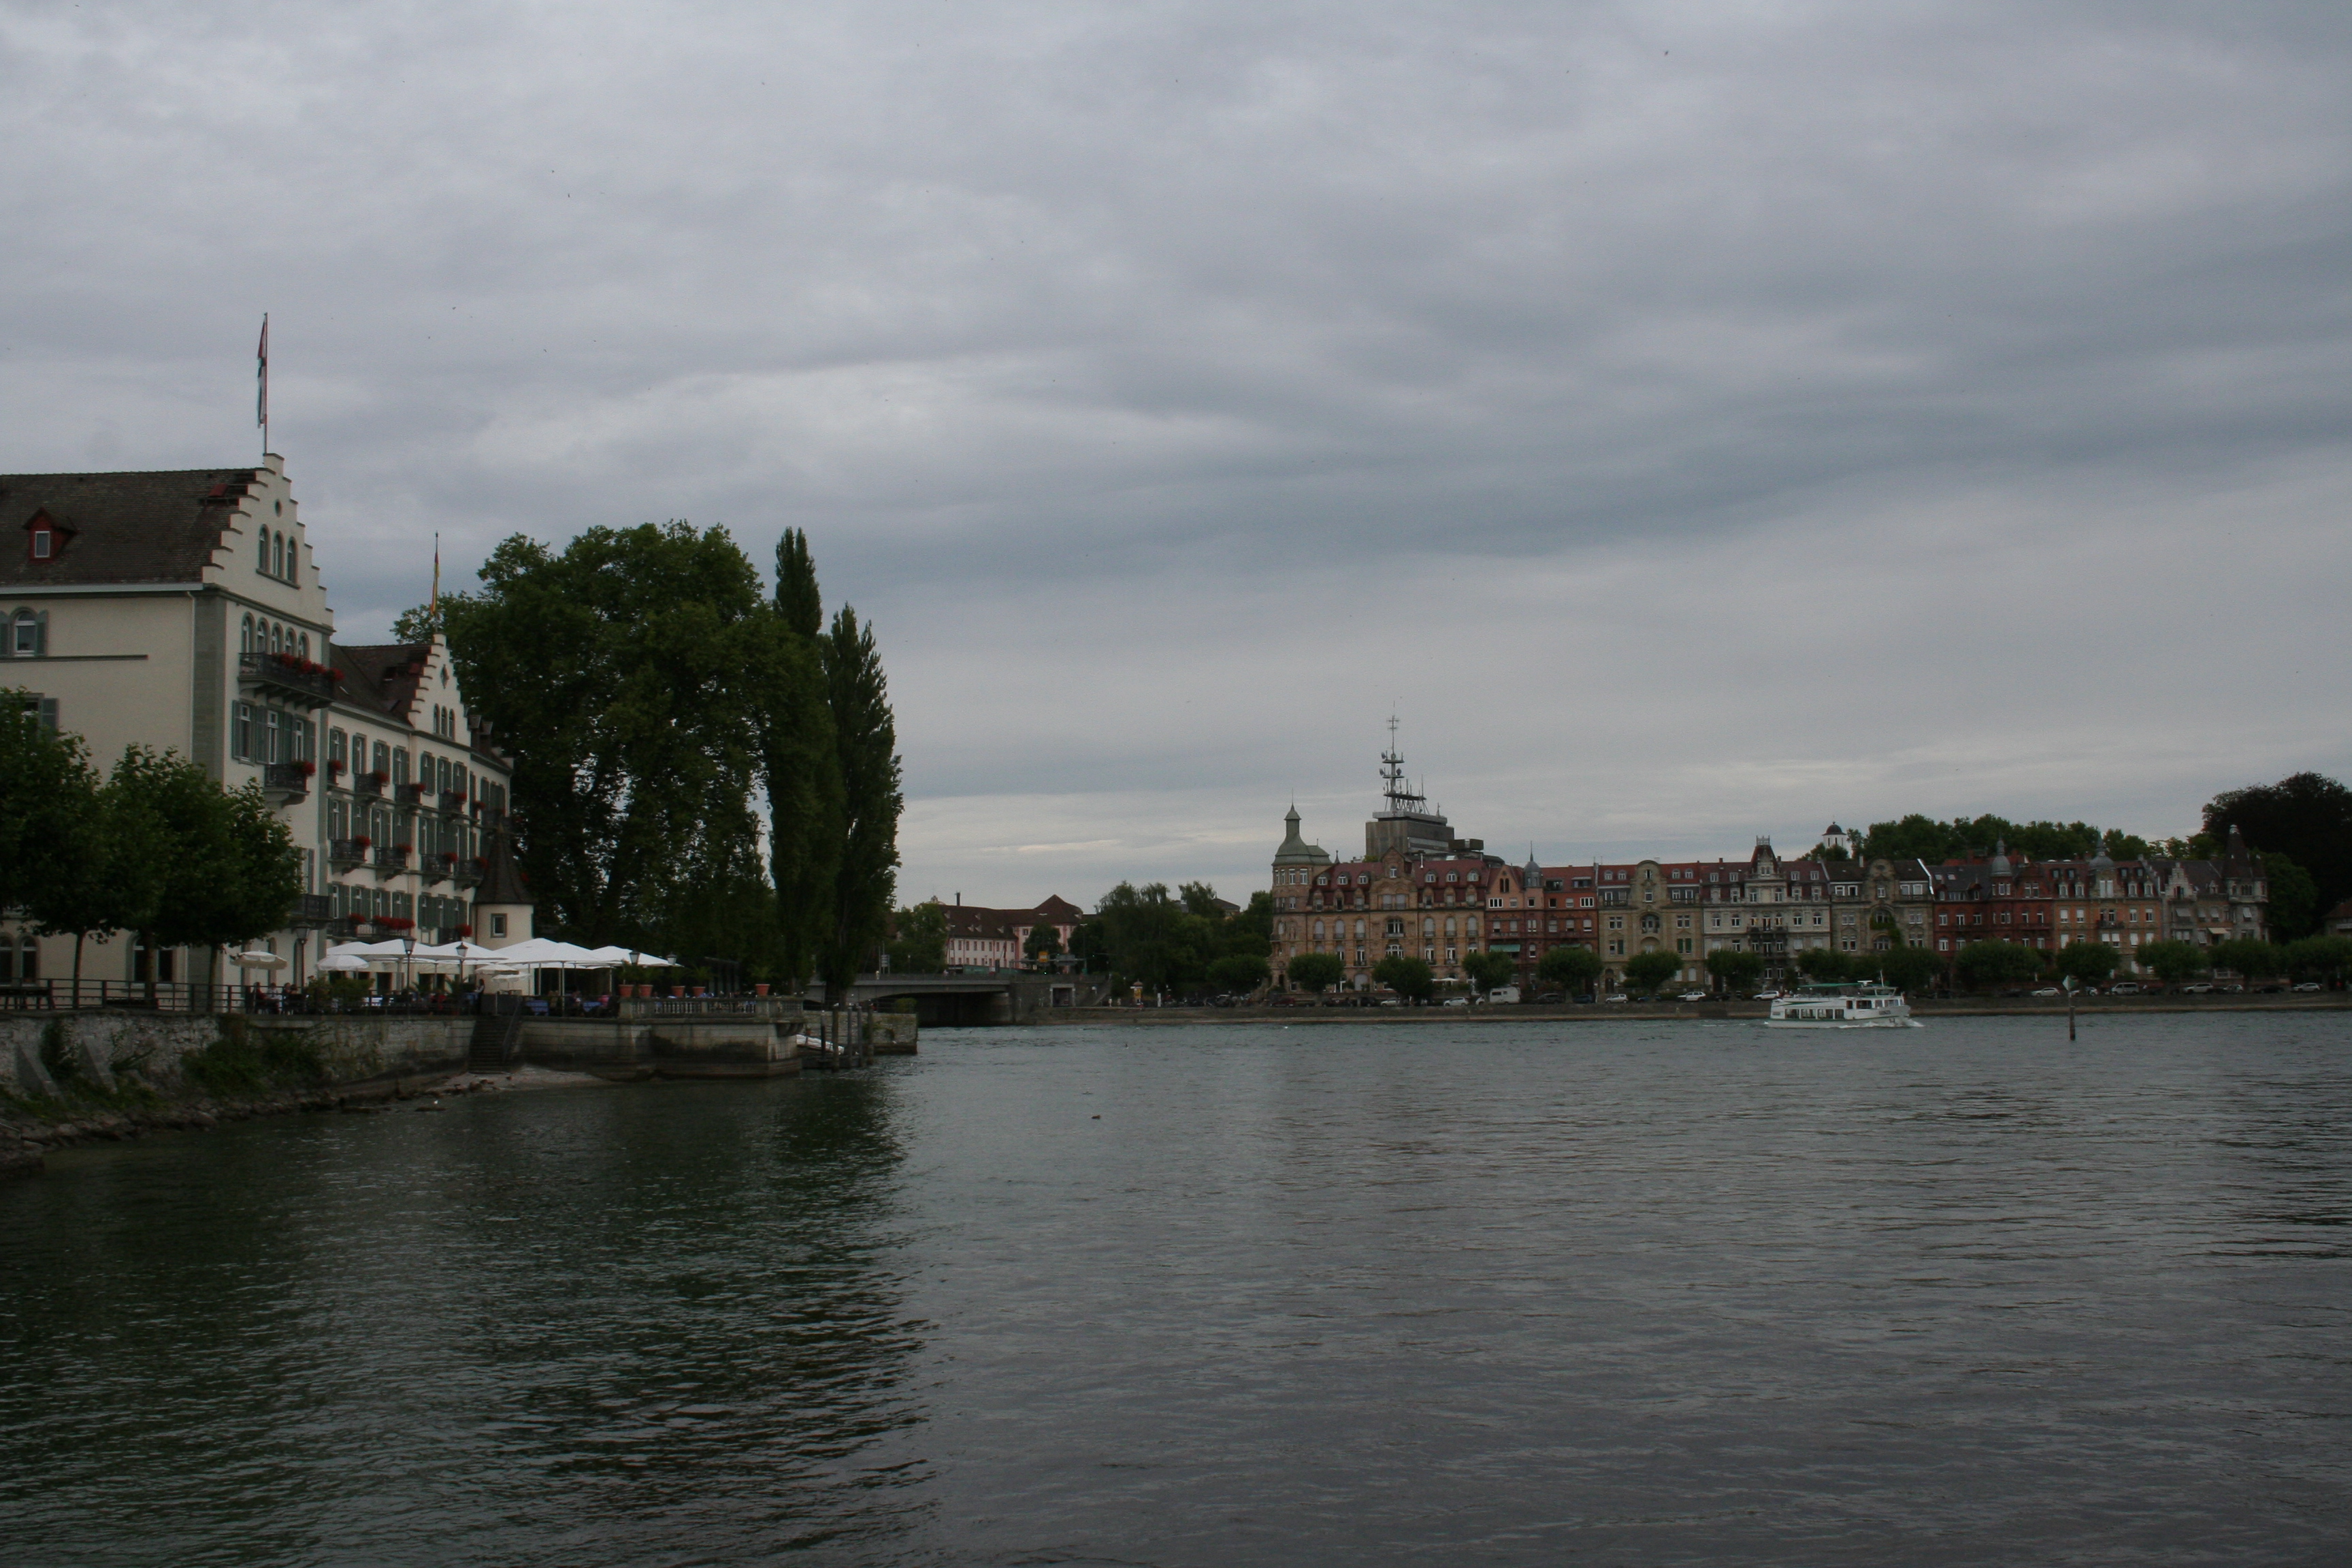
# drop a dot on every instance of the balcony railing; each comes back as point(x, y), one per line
point(368, 784)
point(453, 800)
point(289, 780)
point(345, 852)
point(440, 867)
point(466, 873)
point(313, 909)
point(392, 861)
point(409, 793)
point(312, 685)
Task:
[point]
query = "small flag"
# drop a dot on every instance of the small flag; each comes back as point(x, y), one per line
point(433, 610)
point(261, 376)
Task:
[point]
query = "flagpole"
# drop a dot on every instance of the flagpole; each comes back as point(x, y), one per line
point(261, 380)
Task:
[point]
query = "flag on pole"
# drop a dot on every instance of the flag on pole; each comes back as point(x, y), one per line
point(261, 381)
point(433, 610)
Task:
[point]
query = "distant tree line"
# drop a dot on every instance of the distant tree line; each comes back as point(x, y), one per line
point(702, 767)
point(1186, 941)
point(2299, 829)
point(156, 847)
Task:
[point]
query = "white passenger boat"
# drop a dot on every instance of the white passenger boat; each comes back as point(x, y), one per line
point(1849, 1007)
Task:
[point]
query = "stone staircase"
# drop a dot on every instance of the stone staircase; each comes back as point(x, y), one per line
point(498, 1030)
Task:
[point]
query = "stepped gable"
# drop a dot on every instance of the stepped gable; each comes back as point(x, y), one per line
point(160, 527)
point(382, 674)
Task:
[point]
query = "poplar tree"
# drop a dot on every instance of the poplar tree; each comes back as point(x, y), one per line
point(866, 742)
point(801, 766)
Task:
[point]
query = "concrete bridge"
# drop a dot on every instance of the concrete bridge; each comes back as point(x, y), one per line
point(982, 996)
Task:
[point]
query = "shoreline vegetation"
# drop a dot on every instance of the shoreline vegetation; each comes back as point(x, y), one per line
point(1679, 1011)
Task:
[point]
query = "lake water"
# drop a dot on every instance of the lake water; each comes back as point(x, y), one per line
point(1603, 1293)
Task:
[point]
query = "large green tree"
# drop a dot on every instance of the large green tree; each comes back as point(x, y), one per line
point(1485, 970)
point(2294, 903)
point(1648, 972)
point(48, 805)
point(2306, 817)
point(2320, 957)
point(1572, 969)
point(1992, 963)
point(1317, 972)
point(1735, 968)
point(919, 940)
point(2088, 962)
point(2173, 962)
point(229, 869)
point(1408, 977)
point(626, 674)
point(2246, 956)
point(1907, 968)
point(866, 742)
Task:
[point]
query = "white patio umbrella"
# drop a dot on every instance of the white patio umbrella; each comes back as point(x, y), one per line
point(541, 952)
point(620, 957)
point(256, 960)
point(343, 963)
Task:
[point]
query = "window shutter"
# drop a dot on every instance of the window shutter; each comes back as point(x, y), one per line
point(41, 634)
point(49, 714)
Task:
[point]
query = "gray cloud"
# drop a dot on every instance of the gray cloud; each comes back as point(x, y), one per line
point(1698, 419)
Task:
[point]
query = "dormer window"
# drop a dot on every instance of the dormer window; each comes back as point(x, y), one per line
point(44, 537)
point(45, 543)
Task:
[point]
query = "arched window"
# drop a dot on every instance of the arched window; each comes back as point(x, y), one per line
point(245, 638)
point(262, 541)
point(293, 561)
point(306, 648)
point(277, 637)
point(278, 553)
point(25, 638)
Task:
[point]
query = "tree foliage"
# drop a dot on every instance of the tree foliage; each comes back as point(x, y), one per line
point(2173, 962)
point(2246, 956)
point(1409, 978)
point(2088, 962)
point(1487, 969)
point(1905, 968)
point(1649, 971)
point(1736, 968)
point(1239, 972)
point(919, 939)
point(1317, 972)
point(1172, 942)
point(1993, 962)
point(1045, 945)
point(801, 766)
point(48, 805)
point(1925, 839)
point(2293, 903)
point(2320, 958)
point(866, 741)
point(1573, 969)
point(625, 673)
point(2306, 817)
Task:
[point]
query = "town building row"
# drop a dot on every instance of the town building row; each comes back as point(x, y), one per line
point(1419, 891)
point(186, 611)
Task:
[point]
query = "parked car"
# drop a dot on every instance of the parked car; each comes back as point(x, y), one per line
point(2050, 991)
point(2310, 986)
point(2234, 987)
point(2123, 988)
point(1458, 1001)
point(2197, 988)
point(1766, 996)
point(1550, 998)
point(1692, 996)
point(1615, 996)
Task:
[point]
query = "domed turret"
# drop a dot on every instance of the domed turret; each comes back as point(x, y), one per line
point(2001, 866)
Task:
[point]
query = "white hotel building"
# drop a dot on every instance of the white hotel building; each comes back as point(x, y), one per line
point(184, 611)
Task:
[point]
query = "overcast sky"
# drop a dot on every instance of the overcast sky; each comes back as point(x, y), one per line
point(1691, 421)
